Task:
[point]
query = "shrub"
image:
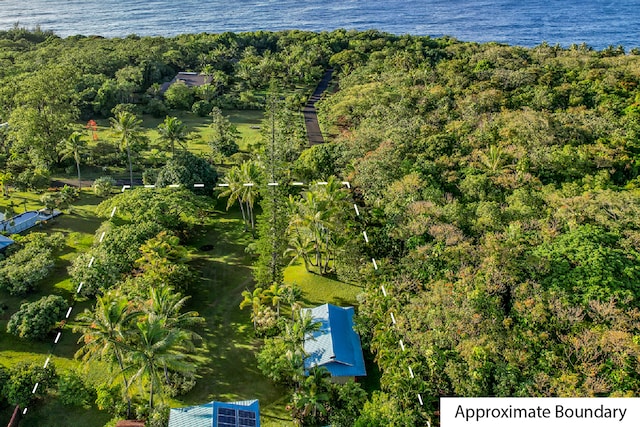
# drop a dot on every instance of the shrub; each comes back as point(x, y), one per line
point(157, 108)
point(35, 320)
point(178, 384)
point(18, 390)
point(109, 398)
point(28, 261)
point(73, 391)
point(150, 176)
point(201, 108)
point(103, 186)
point(179, 96)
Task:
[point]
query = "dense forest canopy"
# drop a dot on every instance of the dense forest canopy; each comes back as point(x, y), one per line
point(498, 186)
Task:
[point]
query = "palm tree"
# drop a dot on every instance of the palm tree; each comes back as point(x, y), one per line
point(74, 146)
point(274, 295)
point(234, 191)
point(242, 188)
point(250, 173)
point(173, 131)
point(313, 396)
point(253, 299)
point(154, 348)
point(316, 224)
point(105, 331)
point(166, 305)
point(128, 128)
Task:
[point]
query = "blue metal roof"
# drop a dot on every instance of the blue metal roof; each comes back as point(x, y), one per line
point(336, 345)
point(207, 415)
point(4, 242)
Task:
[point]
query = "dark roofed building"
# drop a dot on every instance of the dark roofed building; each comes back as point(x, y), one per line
point(335, 345)
point(188, 78)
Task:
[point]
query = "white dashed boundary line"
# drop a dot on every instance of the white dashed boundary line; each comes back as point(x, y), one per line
point(384, 291)
point(69, 310)
point(247, 184)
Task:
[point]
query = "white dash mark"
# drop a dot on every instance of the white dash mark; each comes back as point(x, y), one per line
point(46, 362)
point(24, 412)
point(420, 399)
point(297, 183)
point(248, 184)
point(35, 387)
point(356, 208)
point(198, 185)
point(102, 236)
point(322, 183)
point(113, 212)
point(68, 312)
point(91, 261)
point(57, 338)
point(174, 185)
point(150, 186)
point(272, 184)
point(223, 185)
point(375, 264)
point(384, 292)
point(347, 184)
point(79, 287)
point(393, 318)
point(411, 372)
point(366, 238)
point(402, 345)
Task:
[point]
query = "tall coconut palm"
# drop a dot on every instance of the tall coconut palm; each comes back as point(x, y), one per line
point(173, 131)
point(128, 128)
point(153, 348)
point(242, 188)
point(166, 305)
point(105, 330)
point(250, 173)
point(74, 147)
point(234, 191)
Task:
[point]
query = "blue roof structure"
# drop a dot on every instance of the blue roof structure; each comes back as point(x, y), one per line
point(245, 413)
point(336, 345)
point(4, 242)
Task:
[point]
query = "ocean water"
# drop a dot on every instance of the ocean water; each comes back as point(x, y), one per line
point(598, 23)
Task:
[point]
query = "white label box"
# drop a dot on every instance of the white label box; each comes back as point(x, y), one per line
point(539, 411)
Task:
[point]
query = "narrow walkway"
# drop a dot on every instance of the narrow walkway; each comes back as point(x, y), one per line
point(309, 111)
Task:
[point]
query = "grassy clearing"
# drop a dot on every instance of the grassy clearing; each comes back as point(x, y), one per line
point(317, 290)
point(231, 370)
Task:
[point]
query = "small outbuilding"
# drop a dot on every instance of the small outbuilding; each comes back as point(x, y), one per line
point(335, 345)
point(244, 413)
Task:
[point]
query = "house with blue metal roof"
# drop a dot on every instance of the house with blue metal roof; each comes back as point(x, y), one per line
point(245, 413)
point(5, 242)
point(335, 345)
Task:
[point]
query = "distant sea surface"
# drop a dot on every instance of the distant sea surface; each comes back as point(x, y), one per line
point(598, 23)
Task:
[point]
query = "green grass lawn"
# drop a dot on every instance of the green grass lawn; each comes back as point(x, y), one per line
point(317, 290)
point(231, 371)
